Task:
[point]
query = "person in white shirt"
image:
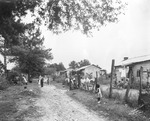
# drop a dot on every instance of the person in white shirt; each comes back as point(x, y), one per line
point(99, 93)
point(25, 81)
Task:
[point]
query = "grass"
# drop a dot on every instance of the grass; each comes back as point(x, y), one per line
point(17, 103)
point(7, 109)
point(110, 108)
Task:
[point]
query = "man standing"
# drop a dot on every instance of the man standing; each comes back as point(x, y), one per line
point(42, 81)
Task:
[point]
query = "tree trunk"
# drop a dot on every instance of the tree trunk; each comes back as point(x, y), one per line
point(111, 79)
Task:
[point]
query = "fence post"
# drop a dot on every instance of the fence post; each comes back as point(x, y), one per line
point(79, 81)
point(129, 84)
point(140, 89)
point(111, 79)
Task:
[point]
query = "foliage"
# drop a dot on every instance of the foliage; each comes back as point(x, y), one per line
point(49, 70)
point(84, 15)
point(58, 67)
point(74, 64)
point(1, 67)
point(59, 79)
point(84, 62)
point(3, 83)
point(30, 55)
point(11, 25)
point(11, 13)
point(12, 77)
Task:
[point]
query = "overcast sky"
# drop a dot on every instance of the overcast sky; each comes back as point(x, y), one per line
point(128, 38)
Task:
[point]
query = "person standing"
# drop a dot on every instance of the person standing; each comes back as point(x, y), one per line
point(39, 80)
point(25, 81)
point(48, 80)
point(99, 93)
point(42, 82)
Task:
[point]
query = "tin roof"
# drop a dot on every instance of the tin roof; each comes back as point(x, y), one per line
point(134, 60)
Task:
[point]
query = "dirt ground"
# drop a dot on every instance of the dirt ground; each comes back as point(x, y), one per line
point(42, 104)
point(56, 103)
point(111, 109)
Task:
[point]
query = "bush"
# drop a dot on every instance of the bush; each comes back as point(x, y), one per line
point(12, 77)
point(103, 81)
point(135, 85)
point(4, 84)
point(59, 79)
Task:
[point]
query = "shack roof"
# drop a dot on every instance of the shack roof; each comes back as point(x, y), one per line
point(134, 60)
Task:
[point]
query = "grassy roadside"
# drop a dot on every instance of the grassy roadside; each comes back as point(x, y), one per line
point(16, 103)
point(112, 109)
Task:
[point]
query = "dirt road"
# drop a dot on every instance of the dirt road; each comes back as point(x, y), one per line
point(55, 105)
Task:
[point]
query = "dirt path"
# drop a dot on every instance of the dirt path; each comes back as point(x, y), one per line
point(55, 105)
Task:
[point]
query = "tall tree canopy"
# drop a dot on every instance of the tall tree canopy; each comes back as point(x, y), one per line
point(84, 15)
point(84, 62)
point(30, 54)
point(74, 64)
point(11, 25)
point(60, 15)
point(58, 67)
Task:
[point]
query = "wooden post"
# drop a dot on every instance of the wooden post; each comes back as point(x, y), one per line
point(5, 63)
point(70, 76)
point(111, 79)
point(95, 83)
point(140, 89)
point(129, 84)
point(79, 81)
point(96, 77)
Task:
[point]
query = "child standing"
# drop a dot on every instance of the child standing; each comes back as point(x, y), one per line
point(99, 93)
point(25, 81)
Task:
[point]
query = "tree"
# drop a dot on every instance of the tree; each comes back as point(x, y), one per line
point(57, 67)
point(61, 67)
point(84, 62)
point(11, 12)
point(30, 55)
point(84, 15)
point(49, 71)
point(73, 65)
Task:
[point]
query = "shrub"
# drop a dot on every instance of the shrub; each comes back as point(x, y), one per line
point(12, 77)
point(135, 85)
point(3, 83)
point(103, 81)
point(59, 79)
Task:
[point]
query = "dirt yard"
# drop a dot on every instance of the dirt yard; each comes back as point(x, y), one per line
point(56, 103)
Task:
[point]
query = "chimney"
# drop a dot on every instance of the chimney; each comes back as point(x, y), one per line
point(125, 58)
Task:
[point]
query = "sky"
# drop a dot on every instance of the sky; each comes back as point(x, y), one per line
point(128, 38)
